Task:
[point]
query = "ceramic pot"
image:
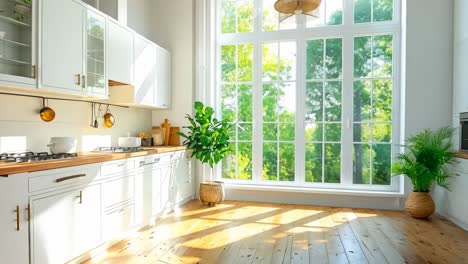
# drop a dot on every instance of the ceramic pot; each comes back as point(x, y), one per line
point(420, 205)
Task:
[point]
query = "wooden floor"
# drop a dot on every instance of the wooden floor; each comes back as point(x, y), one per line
point(246, 232)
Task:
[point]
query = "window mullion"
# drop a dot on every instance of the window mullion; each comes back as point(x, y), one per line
point(300, 111)
point(347, 114)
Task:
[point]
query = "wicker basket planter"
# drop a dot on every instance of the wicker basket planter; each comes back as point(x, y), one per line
point(211, 192)
point(420, 205)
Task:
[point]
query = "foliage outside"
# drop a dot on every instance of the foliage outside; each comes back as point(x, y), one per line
point(207, 137)
point(372, 100)
point(424, 164)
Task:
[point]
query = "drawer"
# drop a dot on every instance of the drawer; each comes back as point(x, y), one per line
point(116, 167)
point(156, 160)
point(118, 191)
point(117, 222)
point(62, 178)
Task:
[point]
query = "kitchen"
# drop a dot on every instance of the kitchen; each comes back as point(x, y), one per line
point(144, 61)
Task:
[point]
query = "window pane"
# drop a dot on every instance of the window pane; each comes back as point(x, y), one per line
point(287, 63)
point(287, 103)
point(232, 132)
point(270, 162)
point(228, 105)
point(228, 63)
point(361, 164)
point(334, 12)
point(333, 59)
point(333, 132)
point(313, 163)
point(361, 132)
point(382, 133)
point(362, 56)
point(362, 11)
point(332, 170)
point(287, 162)
point(228, 16)
point(382, 100)
point(313, 132)
point(287, 132)
point(270, 105)
point(244, 131)
point(244, 161)
point(314, 59)
point(333, 101)
point(362, 101)
point(383, 10)
point(245, 15)
point(314, 101)
point(381, 166)
point(270, 16)
point(383, 55)
point(245, 61)
point(229, 163)
point(270, 131)
point(244, 102)
point(270, 61)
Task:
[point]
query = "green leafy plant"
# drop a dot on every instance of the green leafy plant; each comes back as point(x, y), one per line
point(424, 163)
point(207, 136)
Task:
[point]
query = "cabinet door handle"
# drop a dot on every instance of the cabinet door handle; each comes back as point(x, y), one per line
point(84, 82)
point(28, 211)
point(17, 218)
point(70, 178)
point(34, 71)
point(78, 79)
point(80, 197)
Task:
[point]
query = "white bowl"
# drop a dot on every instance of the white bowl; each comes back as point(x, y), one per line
point(62, 145)
point(129, 142)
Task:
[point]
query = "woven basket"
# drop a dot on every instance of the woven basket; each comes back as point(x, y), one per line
point(211, 193)
point(420, 205)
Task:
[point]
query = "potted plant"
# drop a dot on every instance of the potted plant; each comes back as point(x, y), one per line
point(424, 164)
point(208, 139)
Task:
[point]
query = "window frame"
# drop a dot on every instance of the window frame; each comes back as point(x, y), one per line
point(347, 31)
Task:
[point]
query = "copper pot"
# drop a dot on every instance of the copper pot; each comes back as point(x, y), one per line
point(47, 114)
point(109, 119)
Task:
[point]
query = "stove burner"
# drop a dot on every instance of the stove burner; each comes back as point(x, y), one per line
point(118, 149)
point(29, 156)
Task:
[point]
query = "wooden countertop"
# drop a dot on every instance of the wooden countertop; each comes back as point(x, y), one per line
point(8, 168)
point(461, 155)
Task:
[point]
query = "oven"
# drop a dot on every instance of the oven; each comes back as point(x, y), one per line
point(464, 131)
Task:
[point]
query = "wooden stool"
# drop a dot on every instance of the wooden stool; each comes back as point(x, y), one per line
point(211, 193)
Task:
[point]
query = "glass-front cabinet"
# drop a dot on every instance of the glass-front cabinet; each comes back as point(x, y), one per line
point(95, 53)
point(17, 41)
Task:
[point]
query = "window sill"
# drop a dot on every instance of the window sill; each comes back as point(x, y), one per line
point(232, 186)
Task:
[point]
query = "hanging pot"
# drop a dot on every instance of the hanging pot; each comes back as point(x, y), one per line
point(109, 119)
point(47, 114)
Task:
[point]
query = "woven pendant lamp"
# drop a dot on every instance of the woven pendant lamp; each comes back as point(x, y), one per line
point(288, 8)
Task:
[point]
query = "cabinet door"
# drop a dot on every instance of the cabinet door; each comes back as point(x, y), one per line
point(163, 91)
point(119, 53)
point(184, 179)
point(14, 231)
point(156, 201)
point(17, 46)
point(62, 45)
point(96, 81)
point(66, 225)
point(168, 188)
point(144, 70)
point(460, 78)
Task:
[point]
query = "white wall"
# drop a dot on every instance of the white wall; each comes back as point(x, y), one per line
point(21, 127)
point(140, 17)
point(173, 29)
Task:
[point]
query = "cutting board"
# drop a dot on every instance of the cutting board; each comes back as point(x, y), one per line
point(174, 138)
point(167, 128)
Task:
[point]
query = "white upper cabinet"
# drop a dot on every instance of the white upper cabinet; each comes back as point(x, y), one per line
point(144, 53)
point(460, 61)
point(460, 21)
point(119, 53)
point(62, 45)
point(18, 42)
point(163, 94)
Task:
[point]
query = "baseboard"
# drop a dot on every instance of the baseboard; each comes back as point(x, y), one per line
point(453, 219)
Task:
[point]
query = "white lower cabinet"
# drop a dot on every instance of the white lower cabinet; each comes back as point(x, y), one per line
point(65, 225)
point(118, 221)
point(184, 179)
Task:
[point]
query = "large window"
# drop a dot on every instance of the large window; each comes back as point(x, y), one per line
point(312, 100)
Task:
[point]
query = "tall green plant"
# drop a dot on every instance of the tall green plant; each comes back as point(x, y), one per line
point(207, 136)
point(424, 163)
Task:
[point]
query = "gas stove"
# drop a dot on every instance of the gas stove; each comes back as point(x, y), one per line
point(119, 149)
point(29, 156)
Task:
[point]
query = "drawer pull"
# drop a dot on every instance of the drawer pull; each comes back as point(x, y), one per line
point(70, 178)
point(156, 160)
point(121, 165)
point(17, 218)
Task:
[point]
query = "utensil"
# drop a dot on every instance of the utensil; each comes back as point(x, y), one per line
point(93, 119)
point(47, 114)
point(109, 119)
point(62, 145)
point(129, 142)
